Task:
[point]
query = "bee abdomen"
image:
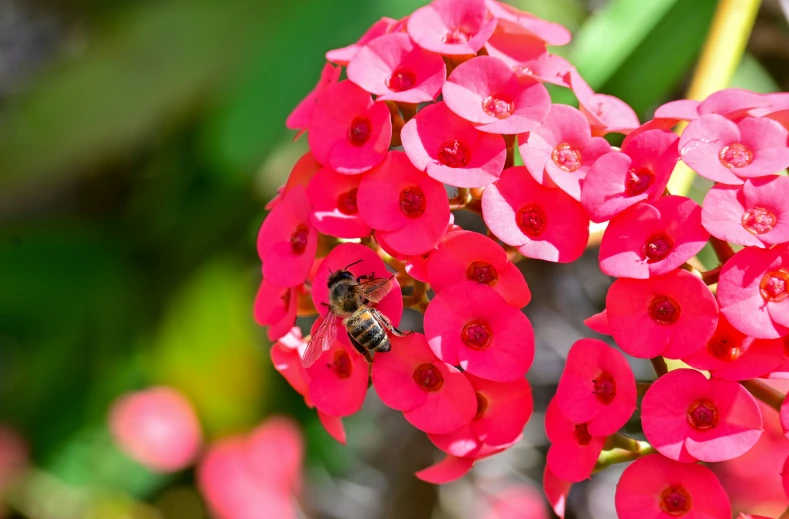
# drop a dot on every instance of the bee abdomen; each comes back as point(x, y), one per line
point(363, 327)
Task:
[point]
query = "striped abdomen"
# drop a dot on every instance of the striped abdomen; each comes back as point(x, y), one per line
point(365, 329)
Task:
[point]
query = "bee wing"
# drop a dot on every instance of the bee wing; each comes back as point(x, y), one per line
point(373, 290)
point(321, 340)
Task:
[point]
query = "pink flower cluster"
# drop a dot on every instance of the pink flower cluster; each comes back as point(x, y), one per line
point(430, 119)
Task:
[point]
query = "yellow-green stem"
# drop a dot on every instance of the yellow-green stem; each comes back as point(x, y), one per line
point(660, 366)
point(765, 393)
point(728, 35)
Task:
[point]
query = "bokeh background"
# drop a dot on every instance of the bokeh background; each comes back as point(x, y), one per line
point(139, 142)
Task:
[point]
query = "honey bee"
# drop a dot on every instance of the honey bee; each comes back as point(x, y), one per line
point(366, 326)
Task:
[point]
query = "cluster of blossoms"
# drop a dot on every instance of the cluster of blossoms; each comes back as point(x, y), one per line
point(428, 122)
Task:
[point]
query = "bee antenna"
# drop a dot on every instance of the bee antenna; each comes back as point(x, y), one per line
point(352, 264)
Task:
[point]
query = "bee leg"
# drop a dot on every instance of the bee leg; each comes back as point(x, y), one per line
point(361, 349)
point(365, 277)
point(388, 325)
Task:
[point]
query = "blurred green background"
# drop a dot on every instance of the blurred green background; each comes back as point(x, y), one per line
point(139, 142)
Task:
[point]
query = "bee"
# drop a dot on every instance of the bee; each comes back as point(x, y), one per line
point(349, 297)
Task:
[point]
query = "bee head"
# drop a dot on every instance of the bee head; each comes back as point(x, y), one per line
point(340, 275)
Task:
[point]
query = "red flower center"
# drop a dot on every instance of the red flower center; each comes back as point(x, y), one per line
point(774, 286)
point(657, 247)
point(498, 107)
point(758, 220)
point(360, 130)
point(675, 501)
point(412, 202)
point(342, 365)
point(476, 335)
point(582, 435)
point(638, 181)
point(724, 349)
point(482, 272)
point(401, 80)
point(605, 388)
point(566, 157)
point(298, 240)
point(454, 154)
point(735, 155)
point(456, 35)
point(428, 377)
point(702, 415)
point(531, 220)
point(482, 406)
point(664, 310)
point(346, 202)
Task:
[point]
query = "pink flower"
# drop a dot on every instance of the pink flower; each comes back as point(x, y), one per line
point(605, 113)
point(156, 427)
point(785, 476)
point(451, 150)
point(275, 307)
point(333, 425)
point(303, 170)
point(518, 50)
point(755, 213)
point(275, 452)
point(543, 223)
point(654, 486)
point(503, 408)
point(508, 16)
point(338, 379)
point(434, 396)
point(470, 325)
point(14, 458)
point(673, 315)
point(516, 502)
point(344, 55)
point(451, 27)
point(370, 265)
point(640, 172)
point(287, 241)
point(408, 209)
point(447, 470)
point(561, 151)
point(728, 152)
point(333, 198)
point(679, 110)
point(300, 117)
point(486, 92)
point(733, 103)
point(688, 418)
point(732, 355)
point(473, 256)
point(597, 387)
point(394, 69)
point(348, 132)
point(753, 291)
point(286, 357)
point(556, 491)
point(574, 451)
point(652, 239)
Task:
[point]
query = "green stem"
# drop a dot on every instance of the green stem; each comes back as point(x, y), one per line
point(765, 393)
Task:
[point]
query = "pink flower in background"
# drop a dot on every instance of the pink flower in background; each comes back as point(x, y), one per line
point(14, 457)
point(344, 55)
point(556, 491)
point(673, 315)
point(394, 69)
point(755, 214)
point(433, 396)
point(275, 307)
point(729, 152)
point(286, 357)
point(655, 486)
point(488, 93)
point(275, 452)
point(451, 150)
point(605, 113)
point(299, 119)
point(574, 451)
point(473, 256)
point(753, 291)
point(689, 418)
point(516, 502)
point(451, 27)
point(732, 355)
point(652, 239)
point(543, 223)
point(732, 103)
point(408, 209)
point(470, 325)
point(338, 379)
point(157, 427)
point(287, 240)
point(597, 387)
point(335, 210)
point(640, 172)
point(503, 408)
point(348, 132)
point(508, 16)
point(561, 151)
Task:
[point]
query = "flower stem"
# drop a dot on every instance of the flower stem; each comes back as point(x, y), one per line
point(722, 249)
point(510, 160)
point(710, 277)
point(765, 393)
point(720, 57)
point(660, 366)
point(623, 449)
point(643, 387)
